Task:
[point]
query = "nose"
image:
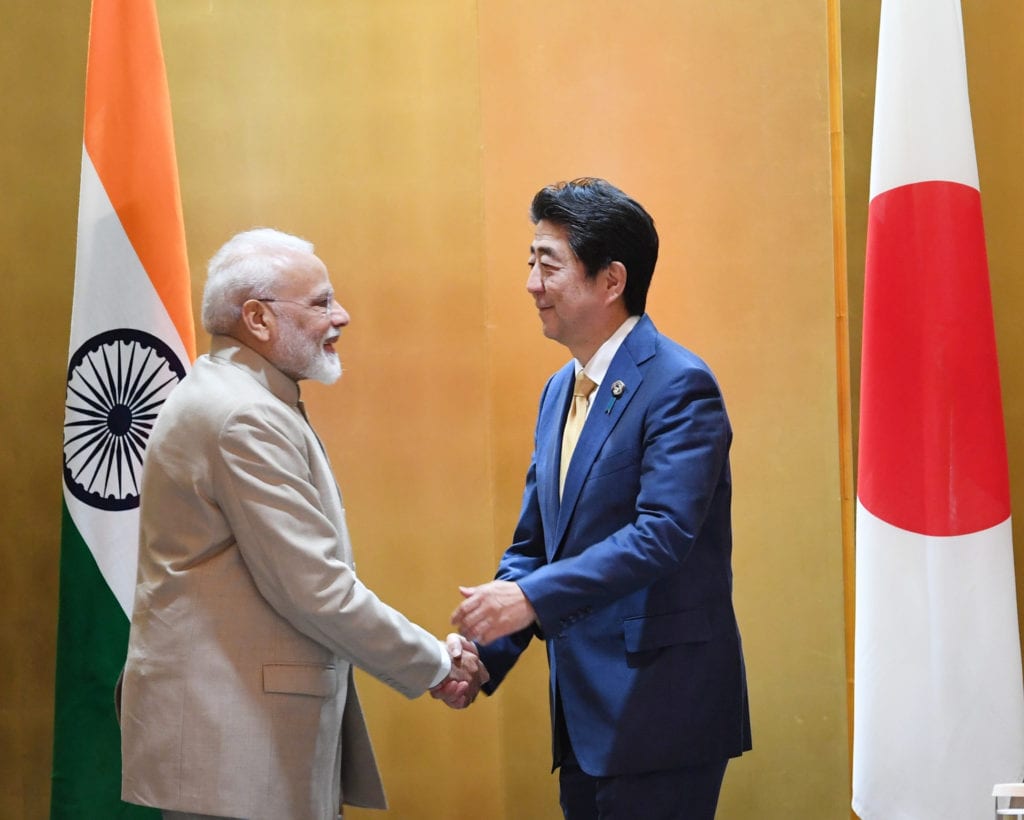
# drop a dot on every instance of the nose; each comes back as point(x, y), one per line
point(339, 316)
point(533, 281)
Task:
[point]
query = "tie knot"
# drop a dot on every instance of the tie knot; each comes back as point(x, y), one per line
point(584, 386)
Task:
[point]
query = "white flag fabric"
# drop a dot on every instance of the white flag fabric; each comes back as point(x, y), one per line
point(938, 697)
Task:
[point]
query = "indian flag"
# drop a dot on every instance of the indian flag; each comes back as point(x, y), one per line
point(938, 700)
point(132, 341)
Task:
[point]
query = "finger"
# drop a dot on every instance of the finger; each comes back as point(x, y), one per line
point(441, 692)
point(454, 643)
point(463, 624)
point(467, 591)
point(462, 611)
point(452, 693)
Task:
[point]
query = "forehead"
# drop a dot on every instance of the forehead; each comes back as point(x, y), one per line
point(306, 274)
point(551, 238)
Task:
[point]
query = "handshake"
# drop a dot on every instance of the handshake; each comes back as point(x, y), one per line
point(468, 674)
point(489, 611)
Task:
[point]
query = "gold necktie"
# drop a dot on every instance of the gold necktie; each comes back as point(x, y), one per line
point(574, 423)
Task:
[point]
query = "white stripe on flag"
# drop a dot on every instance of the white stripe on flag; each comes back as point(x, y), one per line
point(112, 290)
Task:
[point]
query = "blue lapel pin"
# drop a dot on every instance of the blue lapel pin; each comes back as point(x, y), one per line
point(618, 388)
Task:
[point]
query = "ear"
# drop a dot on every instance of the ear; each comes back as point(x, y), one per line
point(615, 281)
point(257, 320)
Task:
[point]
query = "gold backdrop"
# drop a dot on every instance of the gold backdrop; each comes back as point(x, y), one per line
point(405, 138)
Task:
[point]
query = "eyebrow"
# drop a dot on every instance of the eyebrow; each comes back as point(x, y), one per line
point(543, 247)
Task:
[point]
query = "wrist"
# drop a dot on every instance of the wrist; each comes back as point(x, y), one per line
point(445, 668)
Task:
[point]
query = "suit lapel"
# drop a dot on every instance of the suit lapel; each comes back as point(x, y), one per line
point(605, 411)
point(549, 448)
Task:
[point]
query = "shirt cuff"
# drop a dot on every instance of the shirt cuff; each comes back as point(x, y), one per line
point(446, 665)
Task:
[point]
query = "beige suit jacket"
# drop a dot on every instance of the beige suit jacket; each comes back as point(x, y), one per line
point(237, 696)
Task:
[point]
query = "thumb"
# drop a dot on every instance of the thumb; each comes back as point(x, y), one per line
point(454, 644)
point(467, 591)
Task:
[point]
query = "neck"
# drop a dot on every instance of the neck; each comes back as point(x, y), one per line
point(584, 349)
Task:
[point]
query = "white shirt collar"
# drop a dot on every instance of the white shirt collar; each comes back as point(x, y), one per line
point(597, 367)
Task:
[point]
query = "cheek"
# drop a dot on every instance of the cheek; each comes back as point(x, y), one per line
point(572, 298)
point(559, 292)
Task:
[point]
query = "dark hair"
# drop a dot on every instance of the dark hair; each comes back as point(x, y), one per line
point(603, 226)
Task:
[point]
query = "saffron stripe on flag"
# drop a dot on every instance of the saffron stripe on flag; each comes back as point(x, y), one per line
point(129, 137)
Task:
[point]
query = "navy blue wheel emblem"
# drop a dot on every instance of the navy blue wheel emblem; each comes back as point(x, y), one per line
point(117, 382)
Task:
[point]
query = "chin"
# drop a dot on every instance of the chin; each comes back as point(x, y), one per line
point(329, 371)
point(326, 370)
point(328, 375)
point(553, 334)
point(330, 378)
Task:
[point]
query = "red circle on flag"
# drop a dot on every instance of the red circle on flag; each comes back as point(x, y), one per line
point(932, 451)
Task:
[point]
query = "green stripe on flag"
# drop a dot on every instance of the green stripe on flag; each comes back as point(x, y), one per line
point(92, 636)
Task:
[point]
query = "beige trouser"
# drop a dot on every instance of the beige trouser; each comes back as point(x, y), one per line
point(184, 815)
point(181, 815)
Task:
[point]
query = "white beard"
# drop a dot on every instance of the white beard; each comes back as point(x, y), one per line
point(302, 358)
point(325, 367)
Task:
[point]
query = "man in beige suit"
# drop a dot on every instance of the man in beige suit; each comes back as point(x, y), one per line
point(237, 697)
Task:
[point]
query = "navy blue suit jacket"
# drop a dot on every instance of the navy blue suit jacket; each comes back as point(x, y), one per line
point(630, 575)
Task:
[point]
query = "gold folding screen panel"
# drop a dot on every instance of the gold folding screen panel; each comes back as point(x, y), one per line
point(405, 138)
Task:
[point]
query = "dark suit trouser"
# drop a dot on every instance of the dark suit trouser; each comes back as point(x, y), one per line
point(689, 793)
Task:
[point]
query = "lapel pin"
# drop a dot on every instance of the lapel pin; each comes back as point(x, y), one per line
point(618, 388)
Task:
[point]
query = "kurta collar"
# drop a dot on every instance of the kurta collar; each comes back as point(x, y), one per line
point(230, 350)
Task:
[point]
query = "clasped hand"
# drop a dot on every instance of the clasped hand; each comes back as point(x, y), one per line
point(467, 675)
point(490, 611)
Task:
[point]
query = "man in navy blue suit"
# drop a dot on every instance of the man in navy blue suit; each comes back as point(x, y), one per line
point(621, 560)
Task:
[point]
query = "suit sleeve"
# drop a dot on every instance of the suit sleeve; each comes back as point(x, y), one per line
point(683, 464)
point(291, 548)
point(525, 555)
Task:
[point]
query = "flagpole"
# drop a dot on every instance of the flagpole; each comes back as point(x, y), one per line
point(844, 400)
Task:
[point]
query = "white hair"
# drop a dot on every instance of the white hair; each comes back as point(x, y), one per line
point(247, 266)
